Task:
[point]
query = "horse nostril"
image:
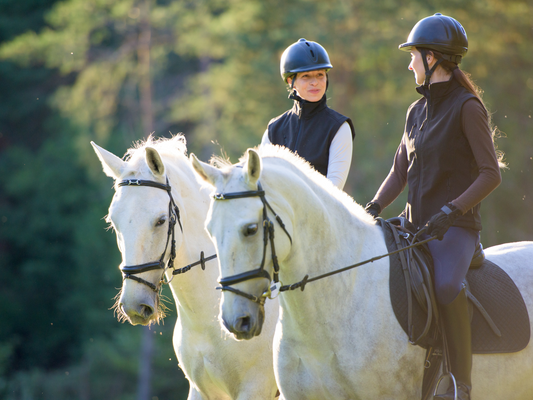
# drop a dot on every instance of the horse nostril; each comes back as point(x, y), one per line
point(243, 324)
point(146, 311)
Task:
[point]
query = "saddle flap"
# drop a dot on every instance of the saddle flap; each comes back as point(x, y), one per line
point(411, 277)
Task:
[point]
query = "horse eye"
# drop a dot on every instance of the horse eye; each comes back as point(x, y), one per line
point(250, 230)
point(161, 221)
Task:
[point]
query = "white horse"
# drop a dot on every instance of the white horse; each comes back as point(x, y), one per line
point(339, 338)
point(216, 366)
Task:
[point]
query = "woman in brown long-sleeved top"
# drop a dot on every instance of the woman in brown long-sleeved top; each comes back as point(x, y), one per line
point(447, 159)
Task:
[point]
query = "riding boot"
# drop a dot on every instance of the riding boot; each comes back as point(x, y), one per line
point(459, 339)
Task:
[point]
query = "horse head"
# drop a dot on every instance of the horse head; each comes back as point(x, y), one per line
point(237, 223)
point(142, 214)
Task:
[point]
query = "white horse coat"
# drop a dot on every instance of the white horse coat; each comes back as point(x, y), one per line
point(216, 366)
point(339, 338)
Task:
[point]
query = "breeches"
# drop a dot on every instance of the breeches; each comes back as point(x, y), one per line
point(452, 257)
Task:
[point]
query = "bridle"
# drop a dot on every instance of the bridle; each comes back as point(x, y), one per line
point(130, 272)
point(268, 235)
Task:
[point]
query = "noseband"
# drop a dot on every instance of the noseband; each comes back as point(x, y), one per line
point(268, 234)
point(129, 272)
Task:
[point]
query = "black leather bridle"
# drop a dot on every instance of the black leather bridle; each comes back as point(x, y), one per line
point(130, 272)
point(268, 234)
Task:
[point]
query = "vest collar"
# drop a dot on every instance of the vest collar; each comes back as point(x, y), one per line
point(307, 109)
point(435, 91)
point(438, 89)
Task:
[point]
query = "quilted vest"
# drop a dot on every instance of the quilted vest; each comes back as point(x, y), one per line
point(308, 130)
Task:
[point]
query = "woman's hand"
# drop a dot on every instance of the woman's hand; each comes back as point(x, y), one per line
point(439, 224)
point(373, 209)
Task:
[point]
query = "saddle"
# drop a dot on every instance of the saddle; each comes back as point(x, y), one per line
point(499, 317)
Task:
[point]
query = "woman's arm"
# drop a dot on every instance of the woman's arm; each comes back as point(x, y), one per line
point(479, 136)
point(265, 139)
point(340, 156)
point(396, 181)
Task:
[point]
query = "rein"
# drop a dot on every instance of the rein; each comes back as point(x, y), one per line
point(301, 284)
point(130, 272)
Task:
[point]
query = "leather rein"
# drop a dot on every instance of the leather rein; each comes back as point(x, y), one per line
point(268, 234)
point(130, 272)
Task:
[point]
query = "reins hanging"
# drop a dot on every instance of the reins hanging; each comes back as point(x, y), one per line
point(201, 262)
point(301, 284)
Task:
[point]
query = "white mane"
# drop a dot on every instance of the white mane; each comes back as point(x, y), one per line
point(279, 152)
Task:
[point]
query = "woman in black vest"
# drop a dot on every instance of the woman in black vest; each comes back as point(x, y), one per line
point(447, 159)
point(311, 129)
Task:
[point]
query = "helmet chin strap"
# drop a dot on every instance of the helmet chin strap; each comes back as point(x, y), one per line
point(429, 72)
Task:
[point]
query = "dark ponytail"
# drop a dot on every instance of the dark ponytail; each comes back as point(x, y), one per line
point(464, 79)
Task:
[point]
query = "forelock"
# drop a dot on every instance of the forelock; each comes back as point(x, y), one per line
point(168, 148)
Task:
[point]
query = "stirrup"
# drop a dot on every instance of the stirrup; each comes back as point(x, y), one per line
point(455, 388)
point(458, 389)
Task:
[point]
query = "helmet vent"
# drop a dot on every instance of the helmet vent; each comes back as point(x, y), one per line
point(312, 54)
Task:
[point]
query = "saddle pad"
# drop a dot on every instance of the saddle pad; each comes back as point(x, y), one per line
point(500, 297)
point(491, 286)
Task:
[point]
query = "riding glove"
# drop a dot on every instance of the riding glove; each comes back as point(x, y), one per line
point(373, 209)
point(439, 224)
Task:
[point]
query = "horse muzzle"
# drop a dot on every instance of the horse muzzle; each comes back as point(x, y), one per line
point(245, 326)
point(142, 315)
point(141, 311)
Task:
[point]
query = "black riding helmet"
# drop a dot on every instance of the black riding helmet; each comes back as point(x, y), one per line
point(302, 56)
point(440, 33)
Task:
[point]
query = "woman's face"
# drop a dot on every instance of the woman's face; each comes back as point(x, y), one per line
point(310, 85)
point(417, 66)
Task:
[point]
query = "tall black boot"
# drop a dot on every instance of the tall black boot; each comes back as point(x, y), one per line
point(459, 339)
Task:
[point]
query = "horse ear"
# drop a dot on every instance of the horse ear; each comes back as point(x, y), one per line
point(111, 164)
point(153, 159)
point(207, 172)
point(253, 166)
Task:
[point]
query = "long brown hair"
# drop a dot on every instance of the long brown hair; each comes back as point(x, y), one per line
point(464, 79)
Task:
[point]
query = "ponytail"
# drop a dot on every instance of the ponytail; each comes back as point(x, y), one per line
point(464, 79)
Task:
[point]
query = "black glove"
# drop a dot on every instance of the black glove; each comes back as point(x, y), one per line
point(373, 209)
point(439, 224)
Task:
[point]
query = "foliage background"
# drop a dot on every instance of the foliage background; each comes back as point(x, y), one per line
point(113, 71)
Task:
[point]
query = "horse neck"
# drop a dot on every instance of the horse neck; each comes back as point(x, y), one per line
point(193, 290)
point(328, 236)
point(329, 233)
